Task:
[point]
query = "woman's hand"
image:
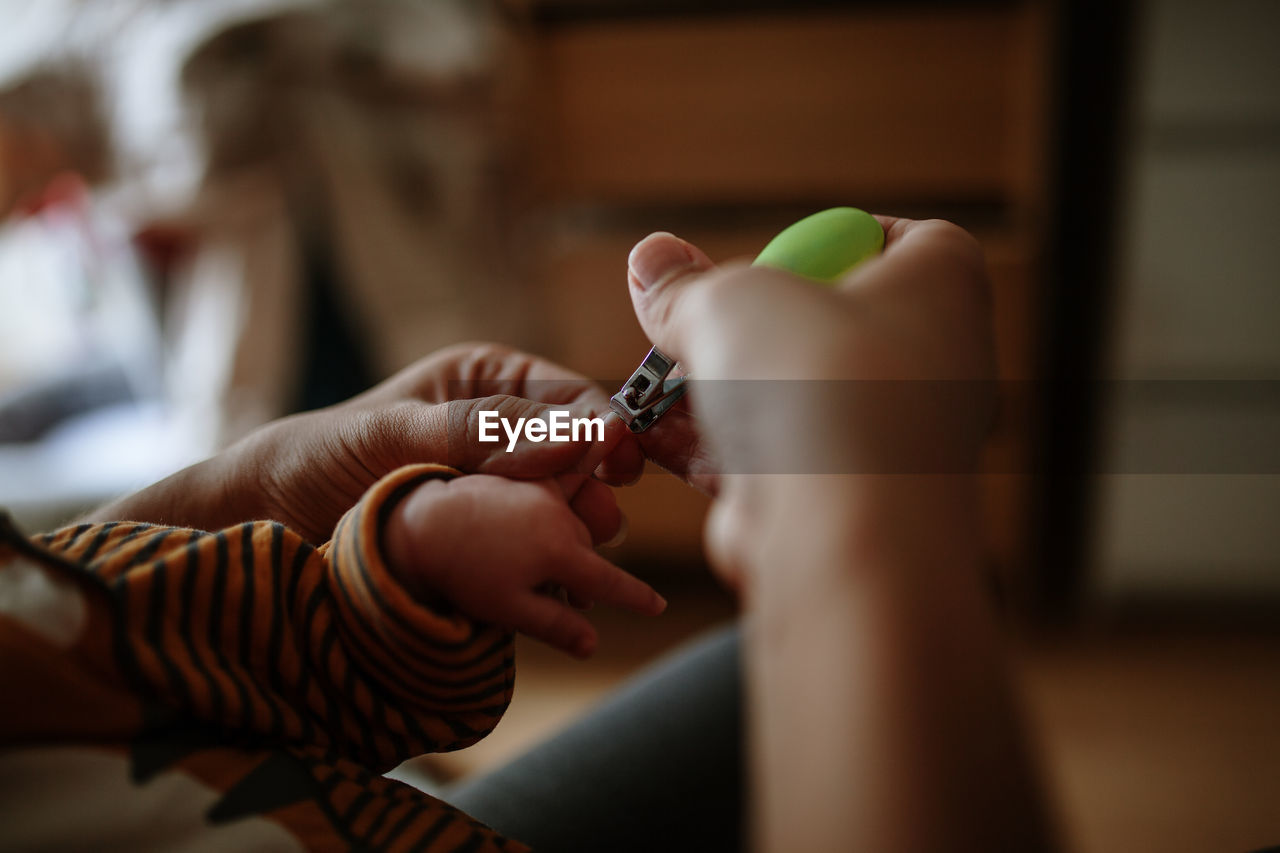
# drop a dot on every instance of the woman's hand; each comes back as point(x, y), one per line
point(888, 373)
point(307, 470)
point(840, 430)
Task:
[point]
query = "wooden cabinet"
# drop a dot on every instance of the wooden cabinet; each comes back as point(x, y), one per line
point(726, 127)
point(771, 108)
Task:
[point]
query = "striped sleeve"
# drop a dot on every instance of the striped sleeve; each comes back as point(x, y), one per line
point(254, 631)
point(458, 672)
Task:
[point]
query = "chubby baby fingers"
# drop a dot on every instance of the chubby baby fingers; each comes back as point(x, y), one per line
point(589, 577)
point(595, 504)
point(555, 623)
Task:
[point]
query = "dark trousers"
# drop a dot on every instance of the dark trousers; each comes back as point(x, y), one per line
point(657, 766)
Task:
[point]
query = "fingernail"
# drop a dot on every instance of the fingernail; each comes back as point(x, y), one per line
point(620, 536)
point(657, 257)
point(662, 604)
point(584, 647)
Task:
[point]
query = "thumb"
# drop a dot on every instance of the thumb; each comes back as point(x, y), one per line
point(490, 435)
point(660, 270)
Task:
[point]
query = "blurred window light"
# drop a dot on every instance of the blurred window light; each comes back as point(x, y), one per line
point(135, 49)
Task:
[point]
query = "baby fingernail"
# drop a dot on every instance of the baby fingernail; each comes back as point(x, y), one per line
point(621, 536)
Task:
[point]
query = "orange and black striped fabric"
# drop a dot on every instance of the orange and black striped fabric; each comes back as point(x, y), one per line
point(242, 675)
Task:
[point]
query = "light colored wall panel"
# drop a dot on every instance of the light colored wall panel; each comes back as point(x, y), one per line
point(1217, 62)
point(1200, 300)
point(1191, 534)
point(1201, 281)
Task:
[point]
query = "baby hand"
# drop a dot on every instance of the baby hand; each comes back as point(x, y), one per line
point(493, 547)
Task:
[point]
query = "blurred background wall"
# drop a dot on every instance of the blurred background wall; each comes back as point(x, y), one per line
point(295, 199)
point(1188, 508)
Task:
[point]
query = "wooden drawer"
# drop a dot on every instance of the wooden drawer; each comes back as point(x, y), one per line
point(870, 103)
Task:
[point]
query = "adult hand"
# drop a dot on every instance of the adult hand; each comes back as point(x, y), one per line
point(881, 716)
point(895, 362)
point(308, 469)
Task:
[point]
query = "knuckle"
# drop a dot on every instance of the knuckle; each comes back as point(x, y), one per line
point(956, 239)
point(485, 359)
point(607, 584)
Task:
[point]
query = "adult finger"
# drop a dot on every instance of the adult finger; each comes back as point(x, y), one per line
point(932, 277)
point(663, 272)
point(660, 272)
point(482, 369)
point(521, 374)
point(675, 444)
point(387, 436)
point(923, 254)
point(491, 435)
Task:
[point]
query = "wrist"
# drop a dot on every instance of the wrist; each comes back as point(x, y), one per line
point(238, 480)
point(864, 526)
point(395, 542)
point(209, 495)
point(408, 525)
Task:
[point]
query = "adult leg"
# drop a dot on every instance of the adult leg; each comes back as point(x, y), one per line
point(656, 766)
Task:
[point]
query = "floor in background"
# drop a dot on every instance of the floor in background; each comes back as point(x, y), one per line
point(1161, 739)
point(1153, 740)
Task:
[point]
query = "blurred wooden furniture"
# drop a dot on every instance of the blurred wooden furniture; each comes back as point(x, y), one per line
point(725, 126)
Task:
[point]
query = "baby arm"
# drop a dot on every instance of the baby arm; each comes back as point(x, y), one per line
point(495, 549)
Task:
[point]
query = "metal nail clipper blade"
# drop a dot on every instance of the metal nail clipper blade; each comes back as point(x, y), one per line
point(649, 392)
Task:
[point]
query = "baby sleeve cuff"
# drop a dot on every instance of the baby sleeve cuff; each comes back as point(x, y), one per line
point(442, 646)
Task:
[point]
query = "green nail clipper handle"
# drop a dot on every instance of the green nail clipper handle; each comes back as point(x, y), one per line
point(826, 245)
